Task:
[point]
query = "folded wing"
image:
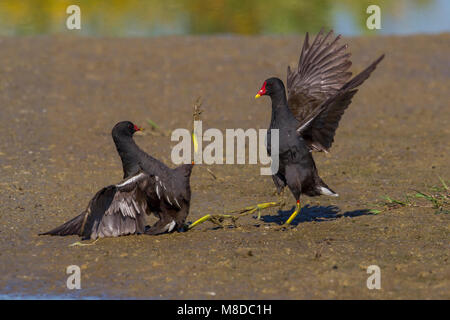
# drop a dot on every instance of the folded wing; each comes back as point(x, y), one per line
point(165, 192)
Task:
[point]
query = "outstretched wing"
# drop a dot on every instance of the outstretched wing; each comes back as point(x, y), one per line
point(318, 128)
point(119, 209)
point(322, 70)
point(114, 211)
point(318, 91)
point(125, 205)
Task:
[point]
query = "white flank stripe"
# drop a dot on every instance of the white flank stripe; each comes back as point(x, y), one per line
point(157, 192)
point(177, 203)
point(131, 180)
point(167, 197)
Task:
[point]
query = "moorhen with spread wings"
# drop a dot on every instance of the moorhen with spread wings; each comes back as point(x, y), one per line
point(319, 91)
point(149, 186)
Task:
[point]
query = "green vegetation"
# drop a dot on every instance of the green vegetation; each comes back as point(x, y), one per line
point(438, 198)
point(152, 124)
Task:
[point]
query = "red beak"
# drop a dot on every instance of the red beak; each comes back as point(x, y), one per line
point(136, 128)
point(261, 91)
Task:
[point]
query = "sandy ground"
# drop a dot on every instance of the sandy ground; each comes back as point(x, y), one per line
point(60, 97)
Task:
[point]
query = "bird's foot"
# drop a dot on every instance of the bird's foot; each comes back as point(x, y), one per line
point(282, 203)
point(233, 215)
point(256, 208)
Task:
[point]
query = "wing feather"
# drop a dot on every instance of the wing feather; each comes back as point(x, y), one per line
point(118, 209)
point(319, 128)
point(321, 71)
point(319, 89)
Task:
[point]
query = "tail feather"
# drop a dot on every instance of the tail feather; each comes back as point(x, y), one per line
point(71, 227)
point(325, 190)
point(184, 170)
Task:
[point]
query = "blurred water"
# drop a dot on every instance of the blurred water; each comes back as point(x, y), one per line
point(181, 17)
point(74, 296)
point(45, 297)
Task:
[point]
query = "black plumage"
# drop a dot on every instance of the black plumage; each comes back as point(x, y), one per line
point(148, 187)
point(307, 119)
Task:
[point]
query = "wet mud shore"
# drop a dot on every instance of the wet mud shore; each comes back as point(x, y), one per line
point(60, 97)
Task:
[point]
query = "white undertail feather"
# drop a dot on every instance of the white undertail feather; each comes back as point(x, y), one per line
point(327, 192)
point(169, 227)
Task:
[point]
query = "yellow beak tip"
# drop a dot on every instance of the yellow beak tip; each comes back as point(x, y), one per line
point(257, 96)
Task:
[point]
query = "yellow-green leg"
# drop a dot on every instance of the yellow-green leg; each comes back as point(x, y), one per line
point(199, 221)
point(215, 218)
point(218, 218)
point(292, 217)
